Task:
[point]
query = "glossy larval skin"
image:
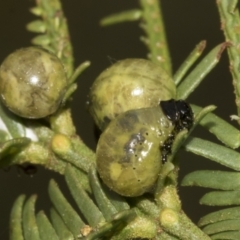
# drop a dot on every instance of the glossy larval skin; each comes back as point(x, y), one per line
point(32, 82)
point(129, 155)
point(126, 85)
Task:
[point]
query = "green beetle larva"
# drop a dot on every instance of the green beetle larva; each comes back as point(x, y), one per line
point(135, 144)
point(128, 84)
point(32, 82)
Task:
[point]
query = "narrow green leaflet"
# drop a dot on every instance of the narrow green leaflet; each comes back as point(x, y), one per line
point(84, 202)
point(193, 79)
point(189, 61)
point(59, 226)
point(117, 201)
point(36, 11)
point(201, 114)
point(224, 214)
point(42, 40)
point(126, 16)
point(219, 128)
point(117, 222)
point(214, 152)
point(104, 204)
point(65, 210)
point(37, 26)
point(221, 198)
point(226, 225)
point(79, 70)
point(30, 227)
point(80, 175)
point(70, 90)
point(16, 231)
point(230, 235)
point(213, 179)
point(72, 85)
point(46, 231)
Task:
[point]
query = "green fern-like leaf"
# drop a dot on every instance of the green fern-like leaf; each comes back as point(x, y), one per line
point(222, 224)
point(98, 219)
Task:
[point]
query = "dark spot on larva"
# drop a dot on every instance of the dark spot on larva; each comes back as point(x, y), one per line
point(110, 138)
point(128, 121)
point(53, 59)
point(134, 140)
point(129, 147)
point(106, 121)
point(166, 148)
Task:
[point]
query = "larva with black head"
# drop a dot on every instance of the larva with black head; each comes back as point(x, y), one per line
point(133, 147)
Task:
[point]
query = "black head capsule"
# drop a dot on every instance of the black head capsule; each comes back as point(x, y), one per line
point(170, 109)
point(186, 115)
point(180, 113)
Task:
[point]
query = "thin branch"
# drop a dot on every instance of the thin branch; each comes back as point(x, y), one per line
point(156, 38)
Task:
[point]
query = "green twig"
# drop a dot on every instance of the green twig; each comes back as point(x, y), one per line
point(230, 24)
point(156, 39)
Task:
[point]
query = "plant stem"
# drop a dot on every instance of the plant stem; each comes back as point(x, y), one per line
point(156, 38)
point(230, 24)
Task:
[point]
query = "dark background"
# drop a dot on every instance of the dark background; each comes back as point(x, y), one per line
point(187, 23)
